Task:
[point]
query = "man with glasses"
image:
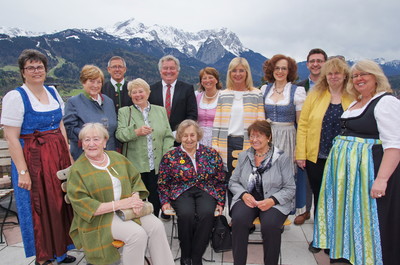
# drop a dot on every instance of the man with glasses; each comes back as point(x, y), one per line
point(315, 60)
point(116, 88)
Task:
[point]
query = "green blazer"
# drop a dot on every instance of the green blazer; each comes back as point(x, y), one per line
point(88, 187)
point(135, 147)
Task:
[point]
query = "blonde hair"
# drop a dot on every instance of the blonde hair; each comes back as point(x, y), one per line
point(138, 83)
point(92, 72)
point(235, 63)
point(186, 124)
point(368, 66)
point(334, 64)
point(93, 127)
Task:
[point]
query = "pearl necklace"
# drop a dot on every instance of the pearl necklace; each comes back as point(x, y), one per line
point(205, 95)
point(97, 162)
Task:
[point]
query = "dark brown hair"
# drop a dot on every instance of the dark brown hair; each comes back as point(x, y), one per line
point(30, 55)
point(209, 71)
point(269, 67)
point(261, 126)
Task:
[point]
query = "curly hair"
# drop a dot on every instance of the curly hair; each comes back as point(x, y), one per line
point(269, 67)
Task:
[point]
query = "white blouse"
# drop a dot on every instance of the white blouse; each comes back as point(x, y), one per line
point(387, 116)
point(299, 96)
point(13, 109)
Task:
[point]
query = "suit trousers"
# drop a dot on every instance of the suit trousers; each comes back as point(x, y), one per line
point(315, 171)
point(195, 211)
point(150, 181)
point(271, 230)
point(137, 238)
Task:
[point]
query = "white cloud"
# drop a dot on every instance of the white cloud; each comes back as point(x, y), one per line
point(355, 29)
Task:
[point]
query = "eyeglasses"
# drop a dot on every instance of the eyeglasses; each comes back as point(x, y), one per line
point(359, 75)
point(316, 61)
point(283, 69)
point(117, 67)
point(32, 69)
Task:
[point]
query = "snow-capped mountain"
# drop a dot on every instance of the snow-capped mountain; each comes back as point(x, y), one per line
point(14, 32)
point(192, 44)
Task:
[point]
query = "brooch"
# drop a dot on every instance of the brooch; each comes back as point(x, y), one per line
point(182, 161)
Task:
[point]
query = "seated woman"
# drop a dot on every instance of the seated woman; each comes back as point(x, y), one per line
point(263, 186)
point(99, 184)
point(192, 181)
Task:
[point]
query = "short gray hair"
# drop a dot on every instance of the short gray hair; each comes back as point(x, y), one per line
point(169, 58)
point(138, 83)
point(186, 124)
point(93, 127)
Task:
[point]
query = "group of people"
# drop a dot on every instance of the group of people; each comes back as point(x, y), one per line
point(331, 136)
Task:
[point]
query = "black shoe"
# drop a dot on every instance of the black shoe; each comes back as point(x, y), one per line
point(164, 217)
point(327, 251)
point(313, 249)
point(186, 261)
point(68, 259)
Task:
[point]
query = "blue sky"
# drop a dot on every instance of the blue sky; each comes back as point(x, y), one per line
point(354, 28)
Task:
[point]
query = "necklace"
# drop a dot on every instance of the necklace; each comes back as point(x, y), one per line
point(260, 155)
point(97, 162)
point(205, 95)
point(278, 92)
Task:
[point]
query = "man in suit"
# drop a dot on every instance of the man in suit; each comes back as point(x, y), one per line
point(315, 60)
point(117, 87)
point(176, 96)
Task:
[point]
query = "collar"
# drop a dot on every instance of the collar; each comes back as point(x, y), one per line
point(99, 100)
point(113, 82)
point(146, 108)
point(165, 84)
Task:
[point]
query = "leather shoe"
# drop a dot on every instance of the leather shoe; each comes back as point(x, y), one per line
point(300, 219)
point(313, 249)
point(68, 259)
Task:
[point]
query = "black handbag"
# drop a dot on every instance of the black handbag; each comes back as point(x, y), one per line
point(221, 238)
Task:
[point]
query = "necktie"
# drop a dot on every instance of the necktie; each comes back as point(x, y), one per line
point(119, 93)
point(168, 100)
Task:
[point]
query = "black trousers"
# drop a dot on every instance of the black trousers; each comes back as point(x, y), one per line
point(315, 171)
point(150, 181)
point(271, 229)
point(195, 211)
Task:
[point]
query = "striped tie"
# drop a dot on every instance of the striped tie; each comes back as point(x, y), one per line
point(168, 100)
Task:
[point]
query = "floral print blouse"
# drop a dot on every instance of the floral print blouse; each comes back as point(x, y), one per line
point(177, 174)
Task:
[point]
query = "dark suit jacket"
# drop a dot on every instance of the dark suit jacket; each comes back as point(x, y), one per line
point(109, 90)
point(184, 104)
point(305, 83)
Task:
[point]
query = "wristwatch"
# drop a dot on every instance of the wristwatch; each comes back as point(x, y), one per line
point(23, 172)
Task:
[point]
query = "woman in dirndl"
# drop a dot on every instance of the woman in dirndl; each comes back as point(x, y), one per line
point(358, 211)
point(33, 127)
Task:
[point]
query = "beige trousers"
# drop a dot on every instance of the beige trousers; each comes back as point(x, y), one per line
point(137, 238)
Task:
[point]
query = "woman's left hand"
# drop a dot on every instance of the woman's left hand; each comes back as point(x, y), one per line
point(265, 204)
point(378, 188)
point(218, 209)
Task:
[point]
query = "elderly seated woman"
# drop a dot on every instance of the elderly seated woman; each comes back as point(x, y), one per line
point(263, 186)
point(192, 181)
point(101, 182)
